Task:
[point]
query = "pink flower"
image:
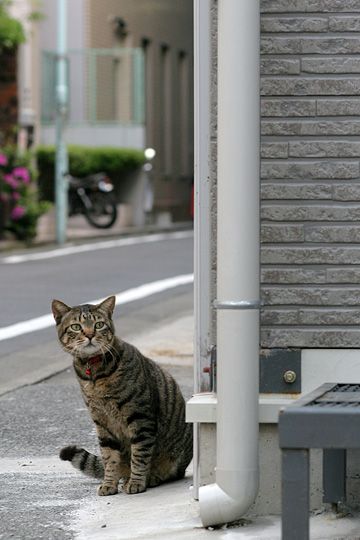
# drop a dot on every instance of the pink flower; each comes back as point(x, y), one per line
point(11, 181)
point(3, 160)
point(16, 196)
point(22, 173)
point(17, 213)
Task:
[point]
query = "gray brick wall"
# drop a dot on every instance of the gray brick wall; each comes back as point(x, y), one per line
point(310, 173)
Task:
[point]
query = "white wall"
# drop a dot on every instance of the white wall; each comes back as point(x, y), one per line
point(117, 135)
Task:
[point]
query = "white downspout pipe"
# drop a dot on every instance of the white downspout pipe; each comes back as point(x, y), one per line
point(237, 265)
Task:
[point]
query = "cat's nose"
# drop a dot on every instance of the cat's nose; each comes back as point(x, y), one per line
point(89, 333)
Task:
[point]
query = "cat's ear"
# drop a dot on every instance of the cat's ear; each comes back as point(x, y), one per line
point(108, 305)
point(59, 309)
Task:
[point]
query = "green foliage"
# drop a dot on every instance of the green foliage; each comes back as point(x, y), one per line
point(86, 160)
point(37, 14)
point(18, 196)
point(11, 31)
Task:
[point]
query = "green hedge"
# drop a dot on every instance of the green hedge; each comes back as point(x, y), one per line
point(117, 163)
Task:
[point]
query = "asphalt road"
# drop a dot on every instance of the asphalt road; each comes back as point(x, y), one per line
point(27, 287)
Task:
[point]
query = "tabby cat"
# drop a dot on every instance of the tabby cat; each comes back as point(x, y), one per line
point(137, 407)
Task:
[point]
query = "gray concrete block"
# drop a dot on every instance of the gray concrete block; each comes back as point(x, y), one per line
point(310, 191)
point(312, 169)
point(310, 316)
point(312, 296)
point(288, 107)
point(338, 107)
point(310, 86)
point(328, 316)
point(310, 255)
point(282, 233)
point(344, 24)
point(342, 274)
point(274, 66)
point(300, 275)
point(330, 65)
point(274, 150)
point(330, 45)
point(280, 45)
point(303, 149)
point(346, 192)
point(310, 127)
point(310, 45)
point(332, 233)
point(294, 24)
point(309, 6)
point(310, 338)
point(279, 317)
point(207, 441)
point(268, 500)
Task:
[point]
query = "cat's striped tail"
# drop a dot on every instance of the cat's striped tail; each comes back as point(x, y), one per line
point(82, 460)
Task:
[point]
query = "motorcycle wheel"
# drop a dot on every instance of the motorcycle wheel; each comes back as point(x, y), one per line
point(103, 212)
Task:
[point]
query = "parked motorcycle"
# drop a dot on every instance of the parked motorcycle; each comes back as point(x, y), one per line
point(93, 197)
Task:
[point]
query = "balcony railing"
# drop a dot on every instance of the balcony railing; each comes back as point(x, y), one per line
point(106, 86)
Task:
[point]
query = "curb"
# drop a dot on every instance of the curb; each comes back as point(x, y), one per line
point(86, 234)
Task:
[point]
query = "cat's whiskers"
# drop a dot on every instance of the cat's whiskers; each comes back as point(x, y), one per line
point(106, 348)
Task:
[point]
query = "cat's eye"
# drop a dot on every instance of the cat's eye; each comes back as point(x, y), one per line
point(99, 325)
point(75, 327)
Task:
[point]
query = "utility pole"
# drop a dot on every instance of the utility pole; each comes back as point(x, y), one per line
point(61, 160)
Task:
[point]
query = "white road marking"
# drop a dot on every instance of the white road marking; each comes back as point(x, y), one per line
point(130, 295)
point(94, 246)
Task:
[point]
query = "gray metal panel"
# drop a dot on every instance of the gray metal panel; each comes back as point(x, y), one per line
point(320, 428)
point(311, 396)
point(325, 418)
point(274, 364)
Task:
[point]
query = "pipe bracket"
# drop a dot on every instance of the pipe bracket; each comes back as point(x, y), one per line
point(241, 304)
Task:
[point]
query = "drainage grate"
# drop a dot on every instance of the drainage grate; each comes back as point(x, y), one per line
point(339, 396)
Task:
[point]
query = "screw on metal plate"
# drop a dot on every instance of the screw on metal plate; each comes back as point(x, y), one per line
point(289, 376)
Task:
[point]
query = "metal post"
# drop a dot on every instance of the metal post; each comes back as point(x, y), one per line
point(202, 218)
point(334, 475)
point(295, 494)
point(61, 161)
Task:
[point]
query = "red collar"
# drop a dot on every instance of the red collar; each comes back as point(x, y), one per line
point(91, 362)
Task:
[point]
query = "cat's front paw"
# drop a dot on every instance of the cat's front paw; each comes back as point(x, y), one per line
point(134, 486)
point(105, 489)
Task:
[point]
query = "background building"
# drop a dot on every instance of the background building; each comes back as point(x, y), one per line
point(130, 76)
point(21, 78)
